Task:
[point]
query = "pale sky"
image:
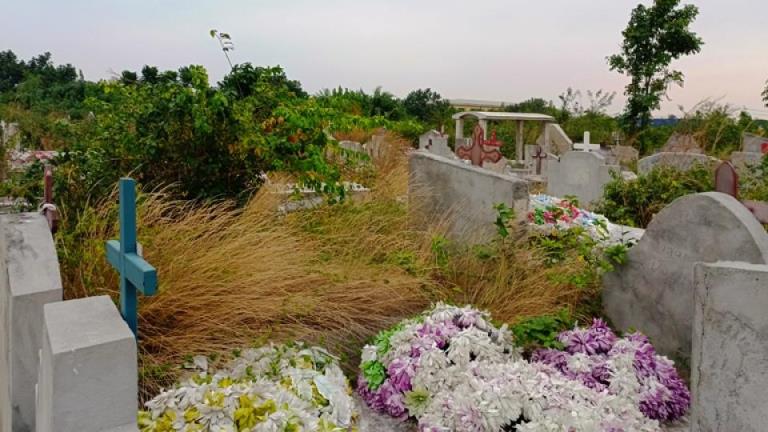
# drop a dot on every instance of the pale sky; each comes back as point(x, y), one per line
point(501, 50)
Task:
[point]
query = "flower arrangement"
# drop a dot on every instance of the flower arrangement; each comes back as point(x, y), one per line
point(276, 388)
point(548, 213)
point(452, 370)
point(600, 360)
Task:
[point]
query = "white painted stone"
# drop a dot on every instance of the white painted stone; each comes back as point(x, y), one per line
point(729, 381)
point(88, 375)
point(462, 194)
point(653, 292)
point(580, 174)
point(29, 278)
point(680, 161)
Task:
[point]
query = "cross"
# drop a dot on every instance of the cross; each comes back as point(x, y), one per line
point(586, 145)
point(477, 152)
point(135, 273)
point(539, 155)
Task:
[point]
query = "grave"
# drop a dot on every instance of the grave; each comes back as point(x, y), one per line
point(680, 161)
point(464, 194)
point(581, 174)
point(586, 145)
point(754, 148)
point(484, 117)
point(623, 155)
point(681, 143)
point(653, 291)
point(557, 141)
point(729, 382)
point(437, 143)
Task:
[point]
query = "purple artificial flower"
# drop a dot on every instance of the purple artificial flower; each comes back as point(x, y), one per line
point(400, 372)
point(371, 398)
point(601, 335)
point(579, 341)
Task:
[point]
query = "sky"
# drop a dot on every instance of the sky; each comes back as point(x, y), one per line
point(499, 50)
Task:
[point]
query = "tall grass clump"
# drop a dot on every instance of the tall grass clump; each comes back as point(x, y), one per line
point(230, 276)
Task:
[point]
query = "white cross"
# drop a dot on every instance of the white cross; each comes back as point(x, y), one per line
point(586, 146)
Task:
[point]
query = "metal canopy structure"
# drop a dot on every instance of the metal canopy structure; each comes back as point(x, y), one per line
point(483, 117)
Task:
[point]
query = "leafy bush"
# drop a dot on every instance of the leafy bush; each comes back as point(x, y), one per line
point(634, 202)
point(542, 331)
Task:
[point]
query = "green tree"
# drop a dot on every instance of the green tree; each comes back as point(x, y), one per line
point(654, 37)
point(426, 105)
point(11, 71)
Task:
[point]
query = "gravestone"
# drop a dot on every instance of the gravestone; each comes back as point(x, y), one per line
point(558, 141)
point(87, 380)
point(680, 161)
point(29, 278)
point(624, 155)
point(377, 146)
point(754, 143)
point(681, 143)
point(352, 146)
point(436, 143)
point(754, 148)
point(729, 382)
point(581, 174)
point(653, 291)
point(462, 194)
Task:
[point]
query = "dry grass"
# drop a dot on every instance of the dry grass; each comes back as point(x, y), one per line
point(333, 275)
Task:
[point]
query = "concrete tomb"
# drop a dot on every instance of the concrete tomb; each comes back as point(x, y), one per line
point(29, 279)
point(653, 291)
point(729, 381)
point(681, 143)
point(754, 143)
point(680, 161)
point(581, 174)
point(623, 155)
point(464, 194)
point(436, 143)
point(87, 380)
point(754, 148)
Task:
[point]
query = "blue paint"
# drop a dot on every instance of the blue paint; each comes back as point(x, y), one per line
point(135, 273)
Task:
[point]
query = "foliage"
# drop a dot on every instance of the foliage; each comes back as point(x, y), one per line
point(765, 94)
point(427, 106)
point(717, 127)
point(654, 37)
point(542, 331)
point(634, 202)
point(503, 215)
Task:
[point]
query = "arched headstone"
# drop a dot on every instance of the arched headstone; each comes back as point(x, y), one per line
point(653, 292)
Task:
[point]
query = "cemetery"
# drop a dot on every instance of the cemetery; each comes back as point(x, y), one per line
point(238, 254)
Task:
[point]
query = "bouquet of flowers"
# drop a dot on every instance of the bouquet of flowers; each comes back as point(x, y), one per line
point(274, 388)
point(453, 370)
point(598, 359)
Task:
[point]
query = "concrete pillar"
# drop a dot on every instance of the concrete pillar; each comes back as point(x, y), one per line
point(484, 125)
point(459, 129)
point(88, 377)
point(29, 278)
point(545, 134)
point(519, 141)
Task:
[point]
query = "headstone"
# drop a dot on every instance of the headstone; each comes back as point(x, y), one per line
point(743, 161)
point(580, 174)
point(624, 155)
point(558, 142)
point(463, 195)
point(653, 291)
point(681, 143)
point(88, 375)
point(436, 143)
point(29, 278)
point(729, 381)
point(377, 146)
point(680, 161)
point(754, 143)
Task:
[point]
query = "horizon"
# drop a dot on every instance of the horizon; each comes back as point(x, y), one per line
point(400, 46)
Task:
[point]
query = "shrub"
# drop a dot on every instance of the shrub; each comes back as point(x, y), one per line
point(635, 202)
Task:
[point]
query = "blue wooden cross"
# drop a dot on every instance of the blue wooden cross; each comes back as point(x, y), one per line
point(135, 273)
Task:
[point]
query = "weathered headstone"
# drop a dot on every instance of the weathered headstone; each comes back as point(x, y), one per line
point(681, 143)
point(680, 161)
point(581, 174)
point(462, 194)
point(436, 143)
point(754, 143)
point(653, 291)
point(88, 376)
point(377, 146)
point(729, 381)
point(29, 278)
point(622, 154)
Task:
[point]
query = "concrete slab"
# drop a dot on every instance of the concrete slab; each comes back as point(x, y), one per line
point(88, 375)
point(29, 278)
